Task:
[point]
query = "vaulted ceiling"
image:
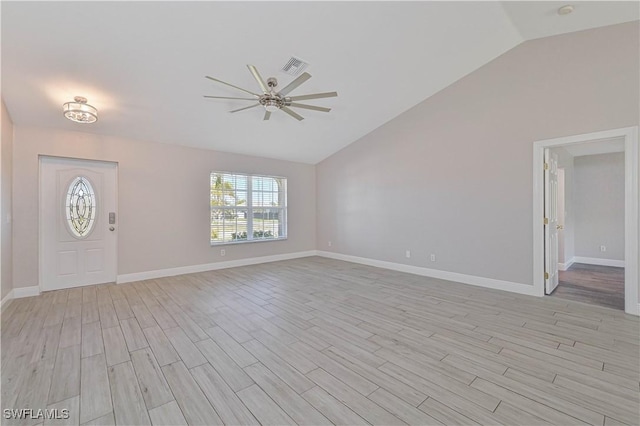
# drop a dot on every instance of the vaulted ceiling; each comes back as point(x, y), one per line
point(142, 64)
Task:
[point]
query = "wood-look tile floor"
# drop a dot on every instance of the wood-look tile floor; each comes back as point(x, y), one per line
point(317, 341)
point(598, 285)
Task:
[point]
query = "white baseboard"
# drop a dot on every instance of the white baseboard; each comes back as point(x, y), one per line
point(20, 292)
point(6, 299)
point(597, 261)
point(566, 265)
point(170, 272)
point(435, 273)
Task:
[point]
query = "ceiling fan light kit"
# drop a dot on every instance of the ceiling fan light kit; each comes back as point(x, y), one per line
point(79, 111)
point(273, 100)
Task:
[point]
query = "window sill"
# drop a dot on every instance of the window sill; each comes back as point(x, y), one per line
point(265, 240)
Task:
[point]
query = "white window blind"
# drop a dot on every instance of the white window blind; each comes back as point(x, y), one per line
point(247, 208)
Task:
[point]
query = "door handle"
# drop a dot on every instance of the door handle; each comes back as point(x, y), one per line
point(112, 228)
point(559, 226)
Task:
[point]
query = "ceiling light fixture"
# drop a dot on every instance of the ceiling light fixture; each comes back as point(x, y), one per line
point(80, 111)
point(565, 10)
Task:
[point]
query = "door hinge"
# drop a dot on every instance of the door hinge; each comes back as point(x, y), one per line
point(546, 166)
point(546, 220)
point(546, 275)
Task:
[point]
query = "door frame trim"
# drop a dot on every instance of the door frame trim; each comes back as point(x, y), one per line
point(630, 135)
point(40, 210)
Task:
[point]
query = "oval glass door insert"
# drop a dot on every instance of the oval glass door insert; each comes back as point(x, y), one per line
point(80, 207)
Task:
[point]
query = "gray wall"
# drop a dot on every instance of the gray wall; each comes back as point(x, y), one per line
point(6, 253)
point(452, 176)
point(163, 200)
point(599, 205)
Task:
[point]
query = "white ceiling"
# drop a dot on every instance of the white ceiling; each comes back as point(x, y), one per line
point(142, 64)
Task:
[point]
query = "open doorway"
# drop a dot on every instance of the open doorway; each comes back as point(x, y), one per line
point(590, 222)
point(550, 236)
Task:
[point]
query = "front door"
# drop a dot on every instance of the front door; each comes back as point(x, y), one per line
point(78, 212)
point(551, 225)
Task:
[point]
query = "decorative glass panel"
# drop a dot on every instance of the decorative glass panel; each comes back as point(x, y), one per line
point(80, 207)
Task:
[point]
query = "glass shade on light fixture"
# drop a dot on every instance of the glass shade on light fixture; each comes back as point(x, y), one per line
point(79, 111)
point(271, 105)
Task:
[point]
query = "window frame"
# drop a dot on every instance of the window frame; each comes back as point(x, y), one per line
point(249, 207)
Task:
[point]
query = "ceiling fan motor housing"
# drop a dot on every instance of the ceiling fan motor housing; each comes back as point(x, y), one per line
point(272, 102)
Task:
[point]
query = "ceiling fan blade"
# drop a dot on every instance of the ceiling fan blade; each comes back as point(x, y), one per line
point(256, 75)
point(291, 113)
point(225, 97)
point(314, 96)
point(235, 87)
point(242, 109)
point(315, 108)
point(267, 115)
point(295, 83)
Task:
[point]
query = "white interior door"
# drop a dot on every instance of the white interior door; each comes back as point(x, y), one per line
point(78, 212)
point(561, 220)
point(551, 225)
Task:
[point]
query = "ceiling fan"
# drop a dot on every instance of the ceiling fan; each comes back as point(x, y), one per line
point(273, 100)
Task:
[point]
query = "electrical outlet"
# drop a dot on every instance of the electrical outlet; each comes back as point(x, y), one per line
point(433, 257)
point(329, 243)
point(223, 252)
point(603, 248)
point(407, 254)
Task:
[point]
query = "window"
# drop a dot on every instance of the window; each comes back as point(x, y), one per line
point(80, 207)
point(247, 208)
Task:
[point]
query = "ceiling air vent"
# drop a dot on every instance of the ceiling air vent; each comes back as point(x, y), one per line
point(294, 66)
